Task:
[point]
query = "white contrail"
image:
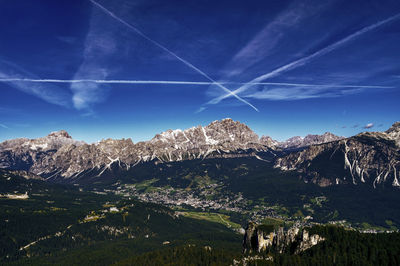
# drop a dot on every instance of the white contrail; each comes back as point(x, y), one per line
point(102, 81)
point(175, 82)
point(306, 59)
point(171, 53)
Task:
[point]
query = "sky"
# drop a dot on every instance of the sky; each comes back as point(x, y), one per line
point(131, 69)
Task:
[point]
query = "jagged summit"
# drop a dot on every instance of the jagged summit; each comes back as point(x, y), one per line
point(299, 142)
point(227, 119)
point(218, 132)
point(62, 156)
point(396, 125)
point(394, 132)
point(269, 142)
point(58, 134)
point(368, 157)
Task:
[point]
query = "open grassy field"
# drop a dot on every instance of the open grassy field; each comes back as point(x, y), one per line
point(212, 217)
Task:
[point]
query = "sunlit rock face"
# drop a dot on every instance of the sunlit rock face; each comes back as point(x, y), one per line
point(370, 157)
point(260, 238)
point(58, 155)
point(299, 142)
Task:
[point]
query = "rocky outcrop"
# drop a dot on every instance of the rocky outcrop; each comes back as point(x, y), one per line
point(370, 157)
point(307, 241)
point(299, 142)
point(268, 141)
point(394, 133)
point(260, 238)
point(32, 154)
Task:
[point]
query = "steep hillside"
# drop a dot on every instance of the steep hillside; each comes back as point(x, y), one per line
point(368, 158)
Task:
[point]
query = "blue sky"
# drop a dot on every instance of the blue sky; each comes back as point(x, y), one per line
point(131, 69)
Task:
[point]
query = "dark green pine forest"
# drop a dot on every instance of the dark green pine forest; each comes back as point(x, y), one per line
point(67, 225)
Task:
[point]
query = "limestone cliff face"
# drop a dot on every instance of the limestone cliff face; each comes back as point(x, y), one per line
point(371, 158)
point(259, 238)
point(59, 156)
point(299, 142)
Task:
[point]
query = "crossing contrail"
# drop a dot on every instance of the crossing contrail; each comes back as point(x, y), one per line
point(305, 60)
point(176, 82)
point(190, 65)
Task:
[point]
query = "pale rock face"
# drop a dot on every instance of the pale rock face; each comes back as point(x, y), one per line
point(299, 142)
point(58, 155)
point(255, 239)
point(268, 141)
point(394, 133)
point(369, 157)
point(308, 241)
point(28, 154)
point(61, 133)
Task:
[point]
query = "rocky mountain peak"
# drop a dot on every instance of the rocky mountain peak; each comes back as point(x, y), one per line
point(328, 134)
point(227, 130)
point(317, 139)
point(395, 126)
point(269, 142)
point(299, 142)
point(228, 124)
point(223, 134)
point(60, 134)
point(394, 132)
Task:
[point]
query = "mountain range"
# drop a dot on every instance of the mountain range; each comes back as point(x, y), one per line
point(370, 157)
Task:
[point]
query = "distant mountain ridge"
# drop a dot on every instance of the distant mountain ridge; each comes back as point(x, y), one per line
point(367, 158)
point(58, 156)
point(299, 142)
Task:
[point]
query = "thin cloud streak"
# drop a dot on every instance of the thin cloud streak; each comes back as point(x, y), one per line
point(229, 92)
point(306, 59)
point(177, 82)
point(12, 74)
point(4, 126)
point(266, 41)
point(100, 47)
point(301, 93)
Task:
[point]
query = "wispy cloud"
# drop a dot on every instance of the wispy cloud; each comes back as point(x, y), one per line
point(187, 63)
point(301, 93)
point(266, 41)
point(4, 126)
point(100, 47)
point(307, 59)
point(201, 109)
point(12, 74)
point(369, 125)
